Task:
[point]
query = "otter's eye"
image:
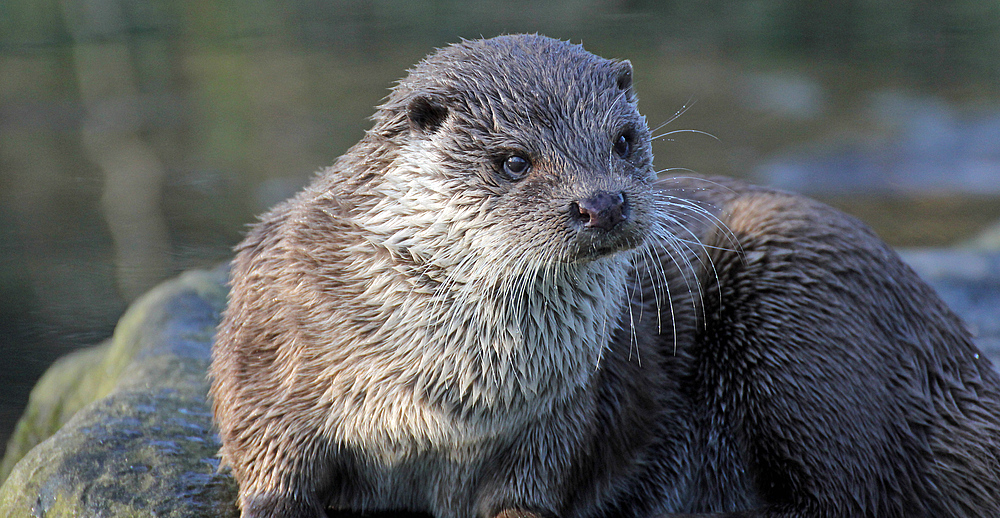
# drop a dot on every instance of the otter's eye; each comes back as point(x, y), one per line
point(622, 147)
point(516, 166)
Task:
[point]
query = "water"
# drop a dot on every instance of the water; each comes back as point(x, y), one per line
point(138, 139)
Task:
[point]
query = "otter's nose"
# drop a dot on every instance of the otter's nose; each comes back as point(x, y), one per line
point(603, 210)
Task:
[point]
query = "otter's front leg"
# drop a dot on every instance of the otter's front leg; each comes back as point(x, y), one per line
point(291, 478)
point(283, 506)
point(517, 512)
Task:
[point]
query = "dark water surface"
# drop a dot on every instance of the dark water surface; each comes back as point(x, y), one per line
point(137, 139)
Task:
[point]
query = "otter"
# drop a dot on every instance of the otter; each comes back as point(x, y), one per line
point(491, 307)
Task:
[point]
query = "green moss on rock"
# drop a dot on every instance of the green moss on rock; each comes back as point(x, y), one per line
point(67, 386)
point(128, 424)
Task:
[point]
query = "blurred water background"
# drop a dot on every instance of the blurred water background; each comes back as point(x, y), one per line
point(139, 137)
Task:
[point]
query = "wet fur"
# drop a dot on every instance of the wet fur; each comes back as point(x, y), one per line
point(416, 331)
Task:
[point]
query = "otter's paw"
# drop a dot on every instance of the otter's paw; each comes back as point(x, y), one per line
point(280, 506)
point(522, 513)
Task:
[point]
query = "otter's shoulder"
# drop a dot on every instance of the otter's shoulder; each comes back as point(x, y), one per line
point(774, 219)
point(766, 236)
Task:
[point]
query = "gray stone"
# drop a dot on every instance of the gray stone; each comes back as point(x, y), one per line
point(920, 144)
point(145, 445)
point(988, 239)
point(67, 386)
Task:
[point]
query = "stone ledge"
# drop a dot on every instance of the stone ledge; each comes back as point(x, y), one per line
point(137, 438)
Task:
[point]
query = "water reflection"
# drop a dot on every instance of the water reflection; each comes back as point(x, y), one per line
point(133, 174)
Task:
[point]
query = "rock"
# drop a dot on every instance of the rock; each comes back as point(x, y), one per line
point(144, 445)
point(67, 386)
point(988, 239)
point(915, 144)
point(129, 429)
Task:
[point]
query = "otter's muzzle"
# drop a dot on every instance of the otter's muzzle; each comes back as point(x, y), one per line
point(603, 210)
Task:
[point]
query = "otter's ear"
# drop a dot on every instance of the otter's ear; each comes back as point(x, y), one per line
point(426, 114)
point(623, 78)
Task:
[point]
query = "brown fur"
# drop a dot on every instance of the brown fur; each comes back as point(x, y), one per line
point(422, 330)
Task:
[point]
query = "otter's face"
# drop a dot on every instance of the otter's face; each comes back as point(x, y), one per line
point(538, 138)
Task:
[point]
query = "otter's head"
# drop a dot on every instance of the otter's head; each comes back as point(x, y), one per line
point(522, 147)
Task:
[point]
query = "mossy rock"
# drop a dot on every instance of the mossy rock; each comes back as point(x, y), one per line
point(67, 386)
point(130, 423)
